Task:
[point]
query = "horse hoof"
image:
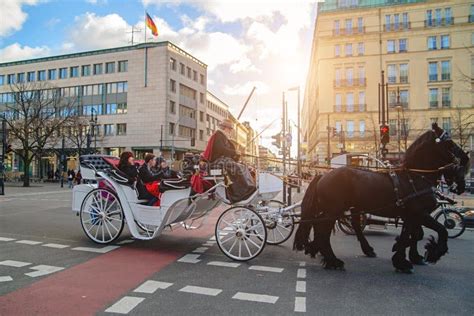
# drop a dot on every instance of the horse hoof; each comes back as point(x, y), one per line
point(419, 261)
point(406, 271)
point(371, 254)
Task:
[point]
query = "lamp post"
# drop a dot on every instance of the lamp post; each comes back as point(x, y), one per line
point(298, 128)
point(4, 149)
point(93, 124)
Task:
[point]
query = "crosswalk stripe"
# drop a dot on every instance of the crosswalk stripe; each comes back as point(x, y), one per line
point(224, 264)
point(43, 270)
point(190, 259)
point(267, 269)
point(96, 250)
point(6, 278)
point(13, 263)
point(301, 274)
point(201, 290)
point(301, 286)
point(151, 286)
point(57, 246)
point(200, 250)
point(6, 239)
point(28, 242)
point(300, 304)
point(125, 305)
point(255, 297)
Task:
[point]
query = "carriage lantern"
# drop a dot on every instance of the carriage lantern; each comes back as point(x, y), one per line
point(384, 134)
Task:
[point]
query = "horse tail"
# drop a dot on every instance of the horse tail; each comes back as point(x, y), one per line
point(308, 213)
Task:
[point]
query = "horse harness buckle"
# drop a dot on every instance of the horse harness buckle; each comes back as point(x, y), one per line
point(396, 188)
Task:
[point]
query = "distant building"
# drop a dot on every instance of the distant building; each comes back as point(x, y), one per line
point(425, 48)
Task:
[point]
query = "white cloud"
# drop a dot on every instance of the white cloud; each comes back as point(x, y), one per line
point(17, 52)
point(51, 23)
point(244, 65)
point(94, 2)
point(12, 16)
point(246, 88)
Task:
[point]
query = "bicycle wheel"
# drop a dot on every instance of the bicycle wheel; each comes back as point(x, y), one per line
point(452, 220)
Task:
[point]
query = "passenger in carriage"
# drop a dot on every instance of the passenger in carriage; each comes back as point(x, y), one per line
point(149, 179)
point(220, 145)
point(130, 169)
point(164, 170)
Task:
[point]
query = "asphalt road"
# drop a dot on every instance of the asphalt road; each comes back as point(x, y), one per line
point(48, 266)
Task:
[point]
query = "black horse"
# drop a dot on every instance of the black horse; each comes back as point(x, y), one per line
point(406, 192)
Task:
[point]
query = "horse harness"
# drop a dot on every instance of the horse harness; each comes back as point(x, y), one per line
point(400, 201)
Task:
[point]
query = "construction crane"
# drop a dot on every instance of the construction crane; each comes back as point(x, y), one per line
point(246, 102)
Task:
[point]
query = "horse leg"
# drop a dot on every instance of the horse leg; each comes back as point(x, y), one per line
point(435, 249)
point(413, 255)
point(364, 244)
point(399, 260)
point(323, 239)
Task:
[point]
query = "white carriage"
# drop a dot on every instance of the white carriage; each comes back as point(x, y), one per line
point(107, 202)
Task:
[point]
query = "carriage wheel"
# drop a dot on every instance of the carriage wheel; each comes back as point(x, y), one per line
point(279, 226)
point(101, 215)
point(345, 225)
point(241, 233)
point(453, 221)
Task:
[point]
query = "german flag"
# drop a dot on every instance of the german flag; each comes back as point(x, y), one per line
point(151, 25)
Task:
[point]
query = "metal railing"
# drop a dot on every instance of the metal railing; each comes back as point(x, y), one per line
point(355, 82)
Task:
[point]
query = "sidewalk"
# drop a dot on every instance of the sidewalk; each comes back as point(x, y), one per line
point(16, 188)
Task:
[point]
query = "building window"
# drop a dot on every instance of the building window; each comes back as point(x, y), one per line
point(349, 49)
point(391, 73)
point(360, 25)
point(182, 69)
point(402, 45)
point(433, 97)
point(349, 76)
point(392, 98)
point(201, 134)
point(350, 128)
point(338, 126)
point(387, 23)
point(338, 102)
point(189, 72)
point(447, 16)
point(123, 66)
point(403, 73)
point(444, 41)
point(471, 15)
point(337, 50)
point(11, 79)
point(404, 96)
point(201, 97)
point(396, 22)
point(195, 75)
point(52, 74)
point(446, 97)
point(122, 108)
point(111, 108)
point(109, 129)
point(172, 85)
point(20, 77)
point(433, 71)
point(121, 129)
point(201, 116)
point(42, 75)
point(429, 18)
point(431, 42)
point(361, 49)
point(350, 102)
point(338, 77)
point(74, 72)
point(171, 128)
point(361, 101)
point(172, 107)
point(446, 70)
point(393, 127)
point(30, 77)
point(362, 76)
point(97, 69)
point(201, 80)
point(172, 63)
point(405, 21)
point(390, 46)
point(447, 124)
point(438, 17)
point(86, 70)
point(348, 30)
point(2, 82)
point(110, 68)
point(336, 27)
point(362, 128)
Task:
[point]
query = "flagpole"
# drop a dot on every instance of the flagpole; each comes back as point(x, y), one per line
point(145, 26)
point(146, 57)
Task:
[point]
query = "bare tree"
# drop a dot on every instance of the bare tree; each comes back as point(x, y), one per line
point(77, 131)
point(462, 125)
point(34, 118)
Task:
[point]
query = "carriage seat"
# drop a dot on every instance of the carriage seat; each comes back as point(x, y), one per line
point(174, 184)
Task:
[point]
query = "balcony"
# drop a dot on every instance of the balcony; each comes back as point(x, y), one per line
point(433, 77)
point(392, 27)
point(351, 31)
point(446, 77)
point(471, 18)
point(442, 22)
point(446, 103)
point(403, 79)
point(434, 104)
point(343, 83)
point(349, 108)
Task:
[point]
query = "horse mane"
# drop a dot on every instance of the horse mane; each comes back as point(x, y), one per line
point(416, 147)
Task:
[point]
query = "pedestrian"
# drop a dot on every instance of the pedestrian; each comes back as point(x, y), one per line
point(78, 177)
point(56, 174)
point(70, 178)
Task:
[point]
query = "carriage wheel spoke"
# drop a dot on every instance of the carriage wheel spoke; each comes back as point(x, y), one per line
point(107, 228)
point(254, 227)
point(110, 206)
point(96, 232)
point(112, 225)
point(240, 248)
point(276, 228)
point(233, 245)
point(102, 228)
point(85, 221)
point(251, 241)
point(247, 246)
point(224, 241)
point(228, 224)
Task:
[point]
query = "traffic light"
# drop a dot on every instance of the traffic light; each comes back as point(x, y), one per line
point(278, 140)
point(193, 142)
point(384, 134)
point(334, 132)
point(8, 149)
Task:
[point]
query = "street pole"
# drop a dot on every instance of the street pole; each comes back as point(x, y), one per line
point(329, 142)
point(161, 140)
point(2, 161)
point(63, 157)
point(283, 123)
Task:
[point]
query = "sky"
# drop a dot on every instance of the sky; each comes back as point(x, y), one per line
point(245, 43)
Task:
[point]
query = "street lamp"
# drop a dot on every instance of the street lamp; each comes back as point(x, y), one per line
point(93, 124)
point(298, 162)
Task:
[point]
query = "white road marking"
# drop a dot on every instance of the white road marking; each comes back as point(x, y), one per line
point(301, 274)
point(126, 241)
point(12, 263)
point(6, 278)
point(29, 242)
point(301, 286)
point(200, 250)
point(211, 242)
point(201, 290)
point(96, 250)
point(151, 286)
point(255, 297)
point(189, 259)
point(6, 239)
point(267, 269)
point(213, 238)
point(207, 245)
point(302, 264)
point(224, 264)
point(43, 270)
point(125, 305)
point(57, 246)
point(300, 304)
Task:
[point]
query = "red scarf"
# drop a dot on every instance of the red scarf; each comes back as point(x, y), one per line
point(208, 151)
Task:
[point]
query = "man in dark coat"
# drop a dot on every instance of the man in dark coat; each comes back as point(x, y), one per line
point(219, 144)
